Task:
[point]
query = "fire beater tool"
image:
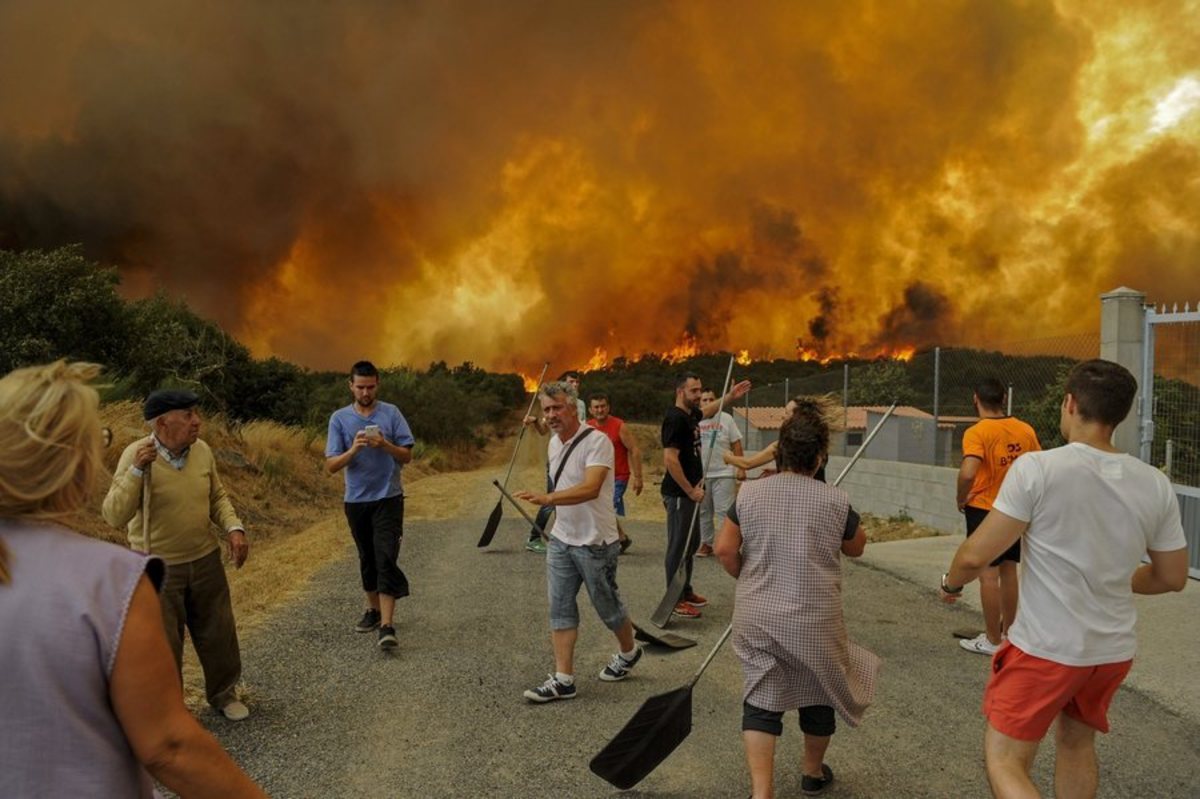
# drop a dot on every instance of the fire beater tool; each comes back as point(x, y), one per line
point(493, 522)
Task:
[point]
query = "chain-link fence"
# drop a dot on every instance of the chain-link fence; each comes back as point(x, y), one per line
point(1176, 408)
point(933, 391)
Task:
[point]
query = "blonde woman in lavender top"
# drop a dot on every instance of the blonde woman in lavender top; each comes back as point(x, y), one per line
point(92, 704)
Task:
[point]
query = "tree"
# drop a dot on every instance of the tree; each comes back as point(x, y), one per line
point(1044, 413)
point(880, 383)
point(171, 346)
point(57, 304)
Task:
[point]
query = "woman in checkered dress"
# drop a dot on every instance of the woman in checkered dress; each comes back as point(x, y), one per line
point(783, 541)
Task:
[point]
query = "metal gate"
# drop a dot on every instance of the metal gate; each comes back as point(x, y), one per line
point(1169, 410)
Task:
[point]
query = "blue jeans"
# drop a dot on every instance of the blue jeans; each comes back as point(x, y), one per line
point(568, 567)
point(619, 487)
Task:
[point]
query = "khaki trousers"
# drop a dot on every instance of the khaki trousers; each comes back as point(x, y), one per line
point(196, 595)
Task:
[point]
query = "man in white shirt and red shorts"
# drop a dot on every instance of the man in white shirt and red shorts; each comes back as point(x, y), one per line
point(1086, 515)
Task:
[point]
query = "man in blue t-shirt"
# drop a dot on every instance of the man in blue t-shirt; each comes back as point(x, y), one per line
point(372, 442)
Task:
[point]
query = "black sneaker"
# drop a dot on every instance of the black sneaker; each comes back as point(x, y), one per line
point(368, 622)
point(618, 668)
point(550, 690)
point(815, 786)
point(387, 637)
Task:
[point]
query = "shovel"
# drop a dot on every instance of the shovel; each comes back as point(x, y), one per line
point(493, 522)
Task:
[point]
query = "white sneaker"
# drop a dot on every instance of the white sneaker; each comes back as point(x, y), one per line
point(235, 711)
point(980, 645)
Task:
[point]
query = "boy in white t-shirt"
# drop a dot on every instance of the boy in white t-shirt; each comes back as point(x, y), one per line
point(583, 545)
point(1086, 514)
point(720, 486)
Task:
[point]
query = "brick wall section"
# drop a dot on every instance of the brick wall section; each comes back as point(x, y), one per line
point(885, 488)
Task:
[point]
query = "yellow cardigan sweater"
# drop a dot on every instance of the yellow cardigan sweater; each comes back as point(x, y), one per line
point(184, 505)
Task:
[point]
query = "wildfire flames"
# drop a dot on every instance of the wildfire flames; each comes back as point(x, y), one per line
point(901, 353)
point(435, 181)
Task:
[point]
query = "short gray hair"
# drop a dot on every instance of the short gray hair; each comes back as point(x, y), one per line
point(559, 388)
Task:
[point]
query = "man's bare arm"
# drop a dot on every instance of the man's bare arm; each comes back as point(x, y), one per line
point(966, 478)
point(635, 457)
point(589, 489)
point(1166, 571)
point(728, 548)
point(997, 533)
point(737, 392)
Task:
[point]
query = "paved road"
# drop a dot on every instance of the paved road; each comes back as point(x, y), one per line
point(334, 717)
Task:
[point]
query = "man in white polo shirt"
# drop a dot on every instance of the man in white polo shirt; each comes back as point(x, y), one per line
point(583, 546)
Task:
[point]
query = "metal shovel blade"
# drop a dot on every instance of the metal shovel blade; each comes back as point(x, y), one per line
point(660, 725)
point(666, 606)
point(493, 523)
point(668, 640)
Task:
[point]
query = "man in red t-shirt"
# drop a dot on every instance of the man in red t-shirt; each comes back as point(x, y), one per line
point(628, 456)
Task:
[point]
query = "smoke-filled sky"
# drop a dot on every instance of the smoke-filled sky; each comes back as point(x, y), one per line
point(514, 182)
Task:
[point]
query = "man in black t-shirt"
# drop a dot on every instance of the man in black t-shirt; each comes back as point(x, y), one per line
point(682, 484)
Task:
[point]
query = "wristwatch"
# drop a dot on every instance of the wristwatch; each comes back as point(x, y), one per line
point(947, 589)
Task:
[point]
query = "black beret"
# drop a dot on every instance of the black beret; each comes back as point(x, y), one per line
point(168, 399)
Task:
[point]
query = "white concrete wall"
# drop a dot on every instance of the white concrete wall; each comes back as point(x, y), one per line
point(885, 488)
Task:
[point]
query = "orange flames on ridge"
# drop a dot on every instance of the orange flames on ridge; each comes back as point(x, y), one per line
point(599, 360)
point(904, 353)
point(688, 348)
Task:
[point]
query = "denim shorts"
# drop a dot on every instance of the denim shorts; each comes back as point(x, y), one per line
point(619, 487)
point(568, 567)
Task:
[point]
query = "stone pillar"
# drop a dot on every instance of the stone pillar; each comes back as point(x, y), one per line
point(1122, 330)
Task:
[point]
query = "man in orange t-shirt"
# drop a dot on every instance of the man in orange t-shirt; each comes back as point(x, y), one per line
point(989, 447)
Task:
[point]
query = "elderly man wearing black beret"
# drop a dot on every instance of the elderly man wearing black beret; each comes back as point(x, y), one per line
point(168, 496)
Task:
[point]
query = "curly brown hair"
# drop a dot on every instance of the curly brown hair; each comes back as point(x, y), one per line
point(804, 436)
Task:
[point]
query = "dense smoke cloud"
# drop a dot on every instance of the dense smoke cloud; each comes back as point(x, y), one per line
point(507, 183)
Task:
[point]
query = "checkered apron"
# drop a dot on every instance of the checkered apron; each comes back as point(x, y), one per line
point(787, 624)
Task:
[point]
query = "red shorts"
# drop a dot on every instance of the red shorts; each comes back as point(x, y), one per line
point(1026, 693)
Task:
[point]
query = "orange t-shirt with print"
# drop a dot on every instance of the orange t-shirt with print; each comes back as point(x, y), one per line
point(996, 443)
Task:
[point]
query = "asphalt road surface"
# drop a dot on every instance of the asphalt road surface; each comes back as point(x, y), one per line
point(444, 717)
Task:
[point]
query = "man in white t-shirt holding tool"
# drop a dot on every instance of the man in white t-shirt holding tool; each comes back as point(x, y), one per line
point(720, 488)
point(1086, 515)
point(583, 546)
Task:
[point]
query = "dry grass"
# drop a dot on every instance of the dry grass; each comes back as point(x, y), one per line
point(881, 529)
